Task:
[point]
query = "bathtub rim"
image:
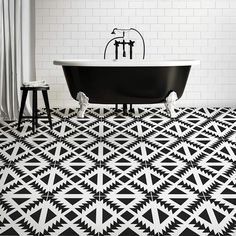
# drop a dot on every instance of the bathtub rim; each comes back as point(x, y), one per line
point(123, 63)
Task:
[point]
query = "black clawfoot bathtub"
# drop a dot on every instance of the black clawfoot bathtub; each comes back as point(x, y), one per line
point(130, 82)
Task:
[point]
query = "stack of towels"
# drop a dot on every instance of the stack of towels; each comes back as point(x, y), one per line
point(39, 83)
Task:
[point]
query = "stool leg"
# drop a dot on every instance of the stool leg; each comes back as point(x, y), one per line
point(22, 106)
point(36, 109)
point(45, 97)
point(34, 112)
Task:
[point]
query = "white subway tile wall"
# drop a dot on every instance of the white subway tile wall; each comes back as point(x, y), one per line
point(173, 29)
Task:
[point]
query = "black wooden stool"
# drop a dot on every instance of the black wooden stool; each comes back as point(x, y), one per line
point(34, 116)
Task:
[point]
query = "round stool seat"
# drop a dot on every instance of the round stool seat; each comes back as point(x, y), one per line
point(35, 88)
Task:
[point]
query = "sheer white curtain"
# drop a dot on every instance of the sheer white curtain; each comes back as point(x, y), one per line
point(17, 53)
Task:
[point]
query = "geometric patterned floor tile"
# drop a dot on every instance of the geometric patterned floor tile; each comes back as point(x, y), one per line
point(213, 217)
point(110, 174)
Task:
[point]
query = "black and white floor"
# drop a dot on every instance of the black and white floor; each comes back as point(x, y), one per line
point(106, 174)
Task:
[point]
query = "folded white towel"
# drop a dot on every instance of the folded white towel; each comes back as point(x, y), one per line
point(35, 83)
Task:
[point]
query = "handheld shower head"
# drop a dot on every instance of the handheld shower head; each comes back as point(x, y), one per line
point(113, 31)
point(122, 30)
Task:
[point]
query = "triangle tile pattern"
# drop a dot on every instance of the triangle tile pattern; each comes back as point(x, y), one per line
point(109, 174)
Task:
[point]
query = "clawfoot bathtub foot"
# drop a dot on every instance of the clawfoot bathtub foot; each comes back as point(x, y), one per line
point(170, 104)
point(83, 102)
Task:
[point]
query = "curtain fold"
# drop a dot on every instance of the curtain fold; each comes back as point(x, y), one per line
point(17, 53)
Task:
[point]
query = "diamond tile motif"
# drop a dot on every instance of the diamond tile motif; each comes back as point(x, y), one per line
point(110, 174)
